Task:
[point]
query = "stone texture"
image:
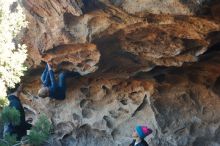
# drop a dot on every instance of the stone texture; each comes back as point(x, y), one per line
point(215, 11)
point(101, 104)
point(153, 6)
point(169, 44)
point(142, 62)
point(188, 111)
point(177, 103)
point(45, 28)
point(177, 7)
point(80, 58)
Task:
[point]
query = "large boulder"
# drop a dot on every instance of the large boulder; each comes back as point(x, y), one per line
point(142, 62)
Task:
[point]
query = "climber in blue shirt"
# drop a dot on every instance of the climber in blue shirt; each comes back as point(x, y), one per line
point(51, 88)
point(19, 130)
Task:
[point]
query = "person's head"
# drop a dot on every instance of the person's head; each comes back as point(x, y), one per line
point(134, 134)
point(141, 132)
point(43, 92)
point(16, 90)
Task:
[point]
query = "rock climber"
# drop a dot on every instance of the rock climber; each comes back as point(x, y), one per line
point(139, 134)
point(14, 102)
point(50, 87)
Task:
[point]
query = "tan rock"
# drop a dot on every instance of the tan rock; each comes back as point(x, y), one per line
point(142, 62)
point(80, 58)
point(45, 28)
point(168, 44)
point(178, 7)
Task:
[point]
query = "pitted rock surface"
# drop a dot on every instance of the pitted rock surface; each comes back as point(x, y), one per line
point(80, 58)
point(141, 62)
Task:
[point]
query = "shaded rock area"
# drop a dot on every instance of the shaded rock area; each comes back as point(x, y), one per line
point(141, 62)
point(190, 106)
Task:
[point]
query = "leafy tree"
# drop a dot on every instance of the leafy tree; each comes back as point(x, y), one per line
point(12, 55)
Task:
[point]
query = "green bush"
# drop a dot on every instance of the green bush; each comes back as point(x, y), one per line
point(3, 102)
point(10, 115)
point(9, 140)
point(40, 132)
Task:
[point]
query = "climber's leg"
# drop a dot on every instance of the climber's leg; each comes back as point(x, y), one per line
point(62, 85)
point(45, 77)
point(72, 74)
point(62, 82)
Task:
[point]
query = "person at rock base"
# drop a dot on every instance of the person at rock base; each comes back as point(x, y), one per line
point(14, 102)
point(139, 134)
point(51, 88)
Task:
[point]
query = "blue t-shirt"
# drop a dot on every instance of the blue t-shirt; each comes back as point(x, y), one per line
point(21, 129)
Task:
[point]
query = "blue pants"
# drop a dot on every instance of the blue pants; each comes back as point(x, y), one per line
point(57, 90)
point(45, 77)
point(62, 79)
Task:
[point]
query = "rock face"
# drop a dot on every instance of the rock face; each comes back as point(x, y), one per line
point(46, 25)
point(141, 62)
point(80, 58)
point(189, 108)
point(179, 7)
point(170, 44)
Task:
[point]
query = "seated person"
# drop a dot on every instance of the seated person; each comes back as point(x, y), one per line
point(21, 129)
point(50, 87)
point(139, 134)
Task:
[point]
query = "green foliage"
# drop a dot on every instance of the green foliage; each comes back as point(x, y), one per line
point(12, 56)
point(40, 132)
point(9, 140)
point(10, 115)
point(3, 102)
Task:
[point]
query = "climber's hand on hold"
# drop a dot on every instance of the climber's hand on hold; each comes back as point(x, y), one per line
point(49, 65)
